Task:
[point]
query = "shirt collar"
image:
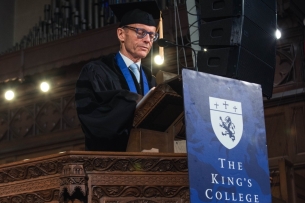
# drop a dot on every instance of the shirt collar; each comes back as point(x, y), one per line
point(128, 62)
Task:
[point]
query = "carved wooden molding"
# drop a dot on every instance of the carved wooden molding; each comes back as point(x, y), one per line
point(136, 164)
point(110, 177)
point(141, 200)
point(35, 197)
point(30, 171)
point(29, 186)
point(118, 192)
point(107, 179)
point(73, 176)
point(94, 163)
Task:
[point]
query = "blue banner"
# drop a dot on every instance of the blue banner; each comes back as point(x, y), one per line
point(226, 139)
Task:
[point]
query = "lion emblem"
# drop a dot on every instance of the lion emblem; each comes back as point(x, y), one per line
point(229, 127)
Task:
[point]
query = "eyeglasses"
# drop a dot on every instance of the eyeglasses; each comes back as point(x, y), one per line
point(141, 33)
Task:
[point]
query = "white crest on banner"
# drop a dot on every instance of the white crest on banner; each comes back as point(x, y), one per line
point(227, 121)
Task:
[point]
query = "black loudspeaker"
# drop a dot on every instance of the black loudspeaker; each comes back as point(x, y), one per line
point(239, 32)
point(256, 10)
point(239, 36)
point(237, 62)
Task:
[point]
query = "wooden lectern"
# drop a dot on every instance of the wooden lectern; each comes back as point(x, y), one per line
point(158, 117)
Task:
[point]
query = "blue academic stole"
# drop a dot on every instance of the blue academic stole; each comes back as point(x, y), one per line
point(128, 76)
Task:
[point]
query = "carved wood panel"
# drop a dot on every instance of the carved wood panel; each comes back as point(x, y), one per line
point(22, 123)
point(35, 197)
point(129, 193)
point(30, 171)
point(70, 119)
point(140, 200)
point(26, 187)
point(62, 178)
point(48, 116)
point(94, 163)
point(38, 118)
point(106, 179)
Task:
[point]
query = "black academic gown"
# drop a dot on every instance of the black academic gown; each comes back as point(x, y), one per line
point(104, 104)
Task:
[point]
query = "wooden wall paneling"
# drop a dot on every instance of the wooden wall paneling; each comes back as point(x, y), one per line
point(275, 185)
point(299, 130)
point(277, 200)
point(286, 180)
point(277, 134)
point(285, 129)
point(300, 169)
point(283, 182)
point(299, 188)
point(10, 66)
point(285, 125)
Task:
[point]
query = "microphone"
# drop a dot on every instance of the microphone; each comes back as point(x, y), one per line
point(165, 43)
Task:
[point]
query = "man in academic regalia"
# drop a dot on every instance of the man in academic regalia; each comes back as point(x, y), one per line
point(108, 89)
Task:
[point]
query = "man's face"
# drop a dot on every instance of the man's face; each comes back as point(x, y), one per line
point(132, 45)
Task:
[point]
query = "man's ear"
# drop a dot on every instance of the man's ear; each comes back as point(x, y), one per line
point(121, 34)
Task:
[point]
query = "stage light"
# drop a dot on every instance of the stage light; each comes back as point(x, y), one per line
point(44, 86)
point(205, 50)
point(278, 34)
point(159, 60)
point(9, 95)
